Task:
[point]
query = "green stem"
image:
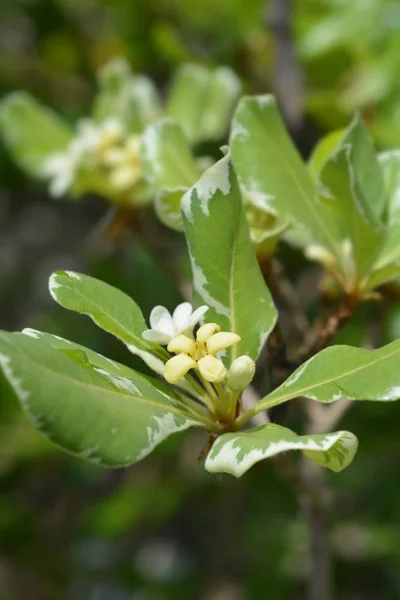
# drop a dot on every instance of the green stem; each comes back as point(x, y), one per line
point(257, 408)
point(227, 401)
point(211, 391)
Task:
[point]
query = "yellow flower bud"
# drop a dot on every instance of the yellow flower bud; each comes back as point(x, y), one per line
point(220, 341)
point(132, 145)
point(206, 331)
point(124, 177)
point(177, 367)
point(212, 369)
point(241, 373)
point(182, 343)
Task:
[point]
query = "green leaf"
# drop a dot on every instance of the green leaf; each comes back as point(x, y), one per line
point(270, 169)
point(367, 178)
point(343, 372)
point(96, 360)
point(113, 81)
point(226, 275)
point(236, 453)
point(31, 131)
point(222, 95)
point(389, 256)
point(186, 99)
point(145, 102)
point(342, 190)
point(110, 309)
point(81, 354)
point(390, 164)
point(323, 150)
point(202, 100)
point(167, 205)
point(166, 156)
point(99, 416)
point(169, 166)
point(131, 98)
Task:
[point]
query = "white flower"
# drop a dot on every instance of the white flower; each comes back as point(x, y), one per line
point(165, 327)
point(94, 136)
point(91, 138)
point(62, 167)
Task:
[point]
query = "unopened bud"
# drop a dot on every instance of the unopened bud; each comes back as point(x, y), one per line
point(241, 373)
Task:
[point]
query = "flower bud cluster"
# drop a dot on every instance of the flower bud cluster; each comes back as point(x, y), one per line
point(100, 158)
point(200, 354)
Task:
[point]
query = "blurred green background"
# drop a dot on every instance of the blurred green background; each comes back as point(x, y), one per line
point(165, 529)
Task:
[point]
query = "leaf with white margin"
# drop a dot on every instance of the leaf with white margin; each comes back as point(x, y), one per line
point(344, 194)
point(166, 156)
point(270, 169)
point(366, 173)
point(202, 100)
point(236, 453)
point(111, 309)
point(343, 372)
point(83, 354)
point(226, 275)
point(112, 83)
point(96, 415)
point(222, 95)
point(133, 99)
point(186, 98)
point(31, 131)
point(353, 186)
point(167, 205)
point(169, 166)
point(146, 102)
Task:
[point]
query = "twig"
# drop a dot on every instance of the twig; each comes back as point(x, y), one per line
point(309, 481)
point(324, 330)
point(316, 508)
point(286, 299)
point(322, 419)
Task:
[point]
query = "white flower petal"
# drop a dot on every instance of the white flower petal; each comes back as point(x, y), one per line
point(197, 315)
point(181, 316)
point(87, 129)
point(60, 184)
point(60, 170)
point(158, 337)
point(161, 320)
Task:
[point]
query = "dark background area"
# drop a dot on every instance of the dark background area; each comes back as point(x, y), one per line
point(165, 529)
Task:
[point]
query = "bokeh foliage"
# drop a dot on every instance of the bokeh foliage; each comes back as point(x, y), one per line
point(164, 529)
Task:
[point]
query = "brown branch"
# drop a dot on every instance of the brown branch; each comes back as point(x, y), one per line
point(324, 330)
point(309, 480)
point(316, 508)
point(286, 299)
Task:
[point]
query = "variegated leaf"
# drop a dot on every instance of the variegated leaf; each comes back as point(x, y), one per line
point(236, 453)
point(226, 275)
